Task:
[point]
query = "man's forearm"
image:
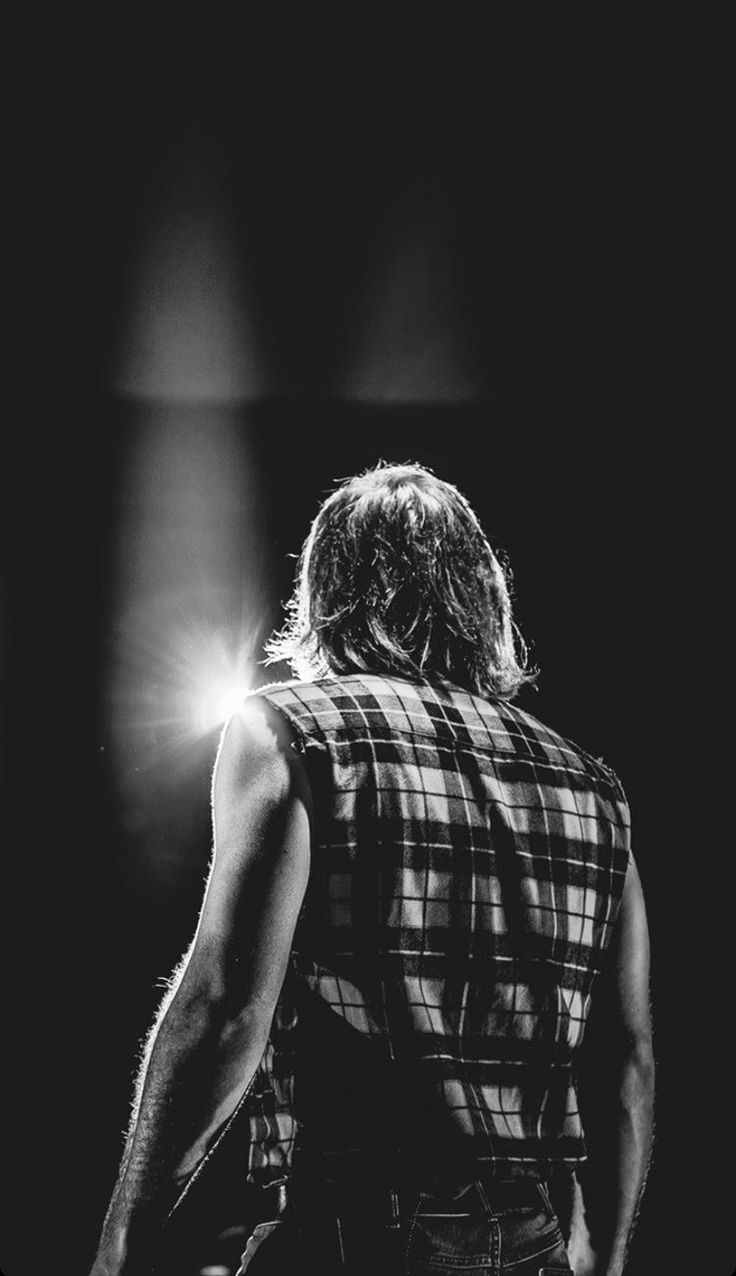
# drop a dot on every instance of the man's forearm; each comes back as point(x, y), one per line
point(634, 1142)
point(197, 1069)
point(613, 1179)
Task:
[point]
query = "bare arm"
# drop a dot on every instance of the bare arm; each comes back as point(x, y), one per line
point(213, 1027)
point(617, 1097)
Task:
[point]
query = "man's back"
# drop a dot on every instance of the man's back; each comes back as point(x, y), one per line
point(417, 910)
point(467, 870)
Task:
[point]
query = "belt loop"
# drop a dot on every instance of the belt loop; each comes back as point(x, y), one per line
point(484, 1197)
point(340, 1244)
point(544, 1193)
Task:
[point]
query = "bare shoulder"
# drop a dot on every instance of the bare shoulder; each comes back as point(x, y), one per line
point(255, 751)
point(631, 941)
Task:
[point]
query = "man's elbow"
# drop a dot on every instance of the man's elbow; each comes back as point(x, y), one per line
point(207, 1007)
point(637, 1077)
point(620, 1067)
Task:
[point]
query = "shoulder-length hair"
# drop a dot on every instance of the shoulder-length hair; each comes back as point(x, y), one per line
point(397, 577)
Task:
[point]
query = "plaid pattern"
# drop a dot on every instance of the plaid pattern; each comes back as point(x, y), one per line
point(467, 871)
point(272, 1125)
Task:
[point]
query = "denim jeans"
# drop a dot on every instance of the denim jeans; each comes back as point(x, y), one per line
point(488, 1229)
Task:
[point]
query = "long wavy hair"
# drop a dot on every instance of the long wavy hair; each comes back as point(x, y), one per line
point(397, 577)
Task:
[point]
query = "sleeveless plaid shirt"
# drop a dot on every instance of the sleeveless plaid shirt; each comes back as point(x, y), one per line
point(467, 871)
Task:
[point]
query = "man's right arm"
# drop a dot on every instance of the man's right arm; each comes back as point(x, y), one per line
point(616, 1089)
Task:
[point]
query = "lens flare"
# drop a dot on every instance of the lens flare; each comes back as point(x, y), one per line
point(194, 606)
point(218, 702)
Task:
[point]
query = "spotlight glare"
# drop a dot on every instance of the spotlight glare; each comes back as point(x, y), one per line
point(218, 702)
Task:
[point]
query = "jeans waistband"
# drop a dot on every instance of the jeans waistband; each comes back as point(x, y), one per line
point(389, 1205)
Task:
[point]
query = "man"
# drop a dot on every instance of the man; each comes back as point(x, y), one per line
point(419, 896)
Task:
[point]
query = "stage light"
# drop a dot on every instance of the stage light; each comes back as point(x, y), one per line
point(193, 589)
point(218, 702)
point(219, 673)
point(194, 609)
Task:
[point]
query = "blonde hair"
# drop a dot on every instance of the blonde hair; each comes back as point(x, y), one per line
point(397, 576)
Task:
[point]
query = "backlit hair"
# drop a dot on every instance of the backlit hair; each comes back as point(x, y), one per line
point(397, 577)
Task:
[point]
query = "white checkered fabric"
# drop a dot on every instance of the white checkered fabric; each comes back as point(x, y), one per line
point(467, 870)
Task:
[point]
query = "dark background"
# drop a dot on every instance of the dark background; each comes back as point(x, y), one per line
point(548, 209)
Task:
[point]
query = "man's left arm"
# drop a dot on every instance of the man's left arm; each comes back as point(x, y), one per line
point(213, 1026)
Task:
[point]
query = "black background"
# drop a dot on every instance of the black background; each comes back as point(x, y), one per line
point(570, 185)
